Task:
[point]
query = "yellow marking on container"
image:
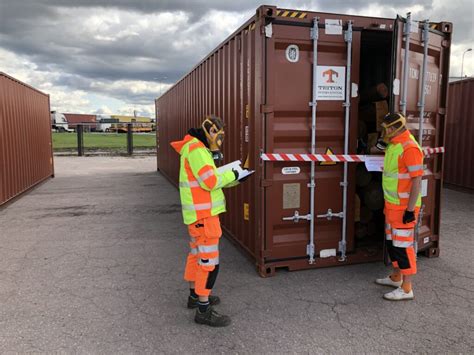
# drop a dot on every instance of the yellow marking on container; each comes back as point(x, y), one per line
point(247, 162)
point(247, 111)
point(330, 152)
point(285, 14)
point(246, 211)
point(278, 12)
point(303, 15)
point(252, 27)
point(293, 14)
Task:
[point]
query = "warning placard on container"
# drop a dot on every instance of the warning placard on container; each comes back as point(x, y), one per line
point(331, 83)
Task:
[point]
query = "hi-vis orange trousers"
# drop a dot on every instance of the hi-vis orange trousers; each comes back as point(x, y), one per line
point(400, 241)
point(202, 264)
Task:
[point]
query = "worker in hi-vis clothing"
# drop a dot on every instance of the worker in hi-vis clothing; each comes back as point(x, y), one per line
point(202, 200)
point(401, 181)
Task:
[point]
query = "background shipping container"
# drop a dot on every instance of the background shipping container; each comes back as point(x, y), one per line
point(459, 167)
point(26, 155)
point(260, 81)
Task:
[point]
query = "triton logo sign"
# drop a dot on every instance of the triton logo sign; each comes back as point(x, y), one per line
point(331, 83)
point(329, 73)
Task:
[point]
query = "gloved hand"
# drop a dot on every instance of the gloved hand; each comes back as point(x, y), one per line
point(237, 176)
point(381, 145)
point(408, 216)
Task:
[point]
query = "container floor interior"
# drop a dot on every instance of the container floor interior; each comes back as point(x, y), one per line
point(375, 69)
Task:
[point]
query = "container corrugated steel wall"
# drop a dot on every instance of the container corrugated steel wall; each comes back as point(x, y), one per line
point(458, 166)
point(26, 155)
point(263, 98)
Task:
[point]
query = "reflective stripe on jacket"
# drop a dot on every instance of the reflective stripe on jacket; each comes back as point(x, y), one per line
point(200, 184)
point(398, 171)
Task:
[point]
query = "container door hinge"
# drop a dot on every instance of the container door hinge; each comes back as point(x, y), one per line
point(342, 250)
point(266, 183)
point(266, 108)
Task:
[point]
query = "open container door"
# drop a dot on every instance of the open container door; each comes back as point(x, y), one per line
point(294, 102)
point(420, 80)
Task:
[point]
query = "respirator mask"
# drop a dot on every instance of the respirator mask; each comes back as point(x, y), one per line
point(399, 124)
point(213, 128)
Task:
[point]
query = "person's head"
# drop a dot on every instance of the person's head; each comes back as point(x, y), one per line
point(393, 124)
point(213, 128)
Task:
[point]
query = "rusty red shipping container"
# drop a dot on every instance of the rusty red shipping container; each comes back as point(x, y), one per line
point(260, 81)
point(89, 121)
point(458, 167)
point(26, 152)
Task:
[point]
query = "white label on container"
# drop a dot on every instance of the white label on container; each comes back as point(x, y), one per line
point(396, 86)
point(424, 188)
point(292, 53)
point(426, 240)
point(333, 27)
point(331, 83)
point(291, 170)
point(355, 90)
point(327, 253)
point(268, 30)
point(383, 26)
point(414, 27)
point(246, 134)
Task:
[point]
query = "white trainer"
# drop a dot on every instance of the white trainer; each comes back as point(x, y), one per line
point(387, 281)
point(399, 295)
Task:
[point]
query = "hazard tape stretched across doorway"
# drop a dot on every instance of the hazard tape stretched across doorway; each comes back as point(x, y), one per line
point(350, 158)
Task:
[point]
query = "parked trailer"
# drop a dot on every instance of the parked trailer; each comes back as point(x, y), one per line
point(459, 135)
point(262, 82)
point(26, 153)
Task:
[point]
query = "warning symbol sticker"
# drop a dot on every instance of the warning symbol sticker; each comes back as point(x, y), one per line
point(331, 83)
point(328, 151)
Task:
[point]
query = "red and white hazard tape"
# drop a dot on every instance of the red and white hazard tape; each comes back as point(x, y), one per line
point(429, 151)
point(350, 158)
point(314, 157)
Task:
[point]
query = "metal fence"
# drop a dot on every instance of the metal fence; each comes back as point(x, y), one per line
point(116, 129)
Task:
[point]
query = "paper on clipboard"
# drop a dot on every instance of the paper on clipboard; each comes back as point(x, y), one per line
point(235, 165)
point(374, 163)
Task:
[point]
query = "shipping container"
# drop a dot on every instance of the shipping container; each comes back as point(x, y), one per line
point(458, 168)
point(89, 121)
point(26, 153)
point(262, 82)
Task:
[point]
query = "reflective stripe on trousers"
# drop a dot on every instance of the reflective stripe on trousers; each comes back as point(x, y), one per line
point(209, 262)
point(388, 231)
point(208, 248)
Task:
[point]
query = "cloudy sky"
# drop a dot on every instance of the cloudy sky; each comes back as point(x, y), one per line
point(116, 56)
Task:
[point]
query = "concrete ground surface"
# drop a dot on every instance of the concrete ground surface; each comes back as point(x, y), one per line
point(92, 261)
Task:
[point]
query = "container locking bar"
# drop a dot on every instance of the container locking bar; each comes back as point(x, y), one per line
point(329, 215)
point(421, 104)
point(296, 217)
point(314, 36)
point(406, 65)
point(347, 112)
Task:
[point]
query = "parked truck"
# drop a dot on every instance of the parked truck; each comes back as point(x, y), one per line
point(59, 122)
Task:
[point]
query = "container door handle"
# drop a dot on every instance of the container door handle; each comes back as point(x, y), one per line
point(296, 217)
point(329, 215)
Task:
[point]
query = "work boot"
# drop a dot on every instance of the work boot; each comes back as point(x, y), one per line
point(387, 281)
point(193, 302)
point(399, 295)
point(211, 318)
